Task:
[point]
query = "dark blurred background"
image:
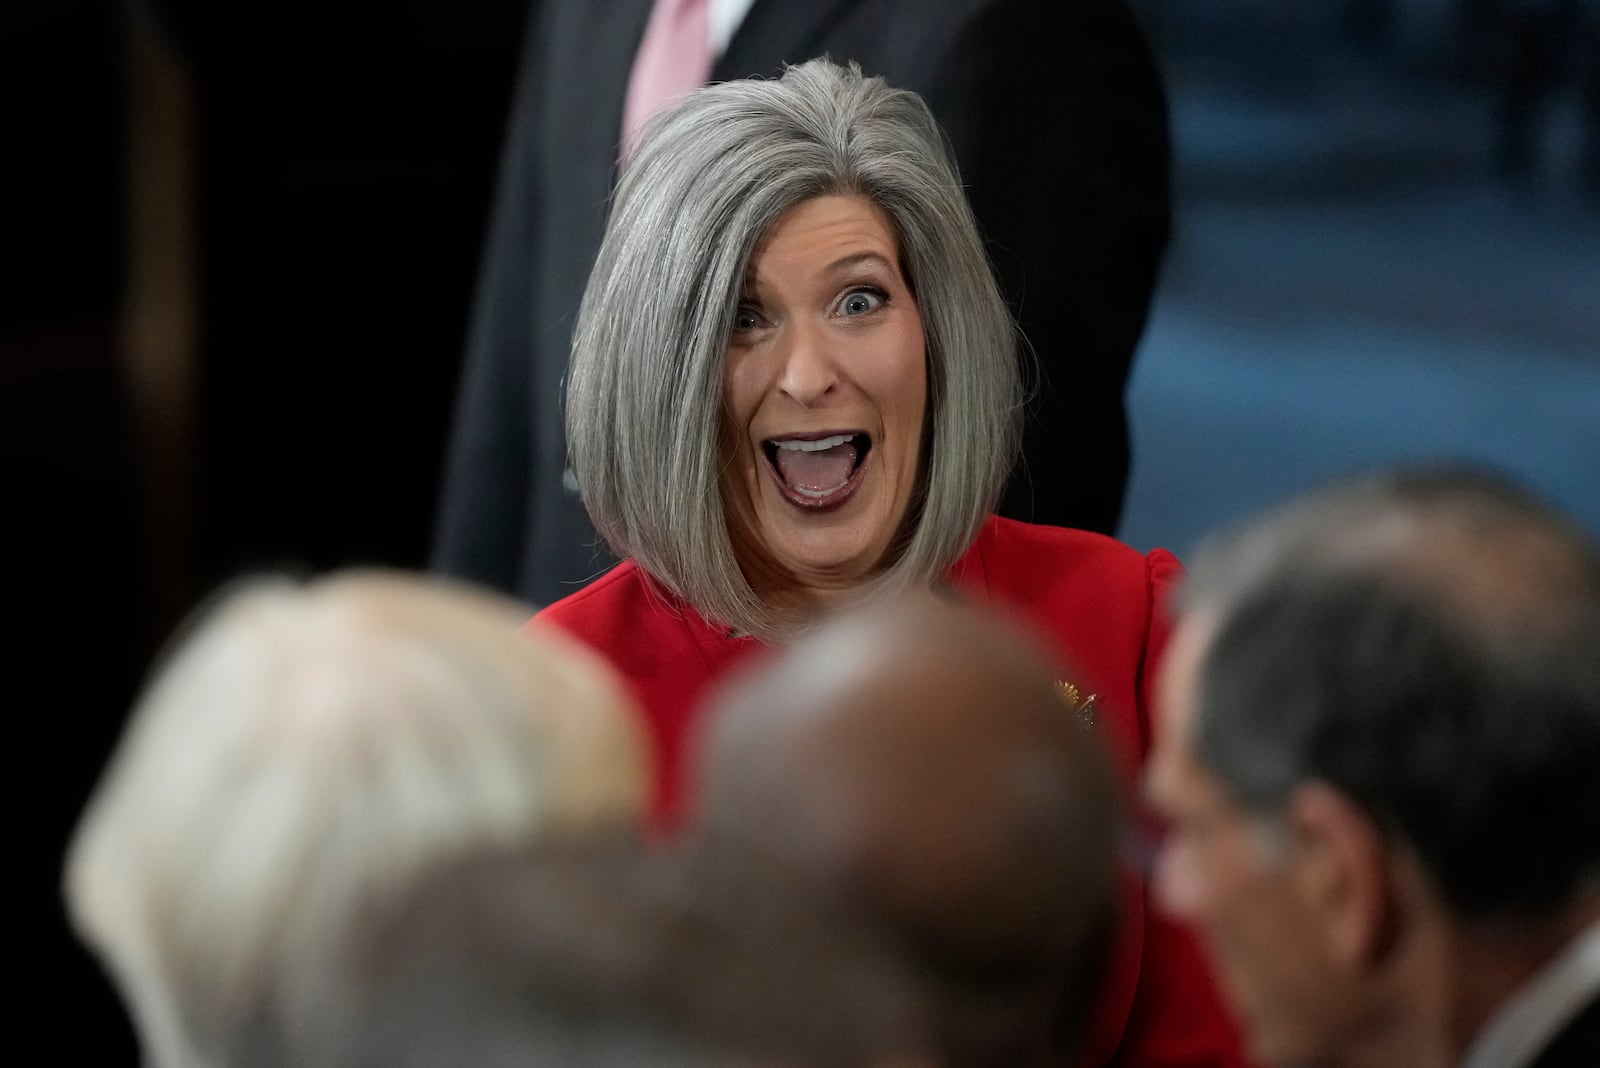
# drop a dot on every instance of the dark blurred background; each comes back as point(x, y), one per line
point(240, 250)
point(240, 247)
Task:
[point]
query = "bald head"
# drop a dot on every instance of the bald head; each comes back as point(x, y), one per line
point(916, 760)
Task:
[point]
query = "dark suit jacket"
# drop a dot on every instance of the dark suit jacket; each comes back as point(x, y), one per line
point(1058, 121)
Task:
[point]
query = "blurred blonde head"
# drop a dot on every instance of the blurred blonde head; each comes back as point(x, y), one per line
point(305, 753)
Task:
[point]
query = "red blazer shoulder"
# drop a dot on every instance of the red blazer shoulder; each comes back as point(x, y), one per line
point(1055, 569)
point(665, 652)
point(1104, 605)
point(615, 612)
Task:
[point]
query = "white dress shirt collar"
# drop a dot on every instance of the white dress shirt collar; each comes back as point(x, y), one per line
point(1535, 1014)
point(723, 18)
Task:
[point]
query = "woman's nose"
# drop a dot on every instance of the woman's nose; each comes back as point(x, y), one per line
point(809, 372)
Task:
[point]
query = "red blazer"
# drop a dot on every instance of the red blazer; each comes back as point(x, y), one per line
point(1102, 605)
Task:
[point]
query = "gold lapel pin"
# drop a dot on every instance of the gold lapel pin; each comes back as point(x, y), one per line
point(1079, 705)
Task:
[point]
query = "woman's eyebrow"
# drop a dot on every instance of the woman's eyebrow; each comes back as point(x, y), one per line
point(849, 261)
point(857, 259)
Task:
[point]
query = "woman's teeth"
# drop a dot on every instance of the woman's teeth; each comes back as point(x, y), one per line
point(815, 446)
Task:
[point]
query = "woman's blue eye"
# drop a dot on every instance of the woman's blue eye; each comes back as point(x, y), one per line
point(746, 319)
point(861, 301)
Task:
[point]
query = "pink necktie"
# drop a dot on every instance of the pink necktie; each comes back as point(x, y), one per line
point(674, 57)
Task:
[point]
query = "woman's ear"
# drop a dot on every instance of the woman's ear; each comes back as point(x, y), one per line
point(1342, 865)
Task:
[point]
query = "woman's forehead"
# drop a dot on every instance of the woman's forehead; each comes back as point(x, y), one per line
point(824, 236)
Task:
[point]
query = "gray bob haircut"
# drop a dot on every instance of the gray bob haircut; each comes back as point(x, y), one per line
point(645, 394)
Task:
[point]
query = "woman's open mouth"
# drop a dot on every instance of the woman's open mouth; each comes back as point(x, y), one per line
point(818, 471)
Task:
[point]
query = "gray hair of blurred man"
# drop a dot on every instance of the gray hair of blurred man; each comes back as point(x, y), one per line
point(916, 761)
point(305, 751)
point(645, 392)
point(1426, 641)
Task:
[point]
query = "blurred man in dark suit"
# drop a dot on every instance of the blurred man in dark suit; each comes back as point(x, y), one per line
point(1380, 754)
point(1058, 121)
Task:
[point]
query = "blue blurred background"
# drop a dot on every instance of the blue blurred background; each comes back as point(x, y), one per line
point(1359, 275)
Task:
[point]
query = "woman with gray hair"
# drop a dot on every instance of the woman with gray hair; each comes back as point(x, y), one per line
point(305, 754)
point(794, 387)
